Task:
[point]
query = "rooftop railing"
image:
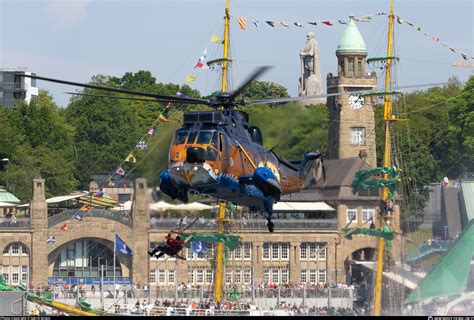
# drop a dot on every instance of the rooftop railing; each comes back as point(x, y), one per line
point(101, 213)
point(9, 223)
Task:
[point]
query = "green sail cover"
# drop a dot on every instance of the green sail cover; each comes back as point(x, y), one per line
point(386, 233)
point(360, 178)
point(230, 241)
point(4, 286)
point(450, 275)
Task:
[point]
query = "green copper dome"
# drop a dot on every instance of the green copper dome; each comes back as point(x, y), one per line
point(351, 40)
point(7, 197)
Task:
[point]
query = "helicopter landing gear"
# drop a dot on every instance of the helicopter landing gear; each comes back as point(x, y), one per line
point(271, 226)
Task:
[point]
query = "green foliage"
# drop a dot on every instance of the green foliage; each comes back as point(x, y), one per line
point(258, 90)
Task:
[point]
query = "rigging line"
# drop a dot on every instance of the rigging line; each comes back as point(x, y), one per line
point(439, 103)
point(459, 160)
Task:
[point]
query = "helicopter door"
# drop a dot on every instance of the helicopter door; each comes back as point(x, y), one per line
point(224, 152)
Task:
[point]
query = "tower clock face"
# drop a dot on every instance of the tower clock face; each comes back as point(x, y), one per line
point(356, 102)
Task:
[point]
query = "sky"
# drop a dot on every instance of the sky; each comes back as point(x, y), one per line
point(76, 39)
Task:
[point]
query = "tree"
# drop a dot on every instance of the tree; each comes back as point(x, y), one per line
point(265, 90)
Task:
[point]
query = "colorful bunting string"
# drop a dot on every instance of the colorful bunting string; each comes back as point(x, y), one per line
point(436, 39)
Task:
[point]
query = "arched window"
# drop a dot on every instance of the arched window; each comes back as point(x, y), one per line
point(15, 264)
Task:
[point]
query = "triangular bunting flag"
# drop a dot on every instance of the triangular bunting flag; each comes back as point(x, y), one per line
point(255, 22)
point(216, 39)
point(367, 17)
point(399, 20)
point(64, 227)
point(453, 50)
point(328, 23)
point(410, 24)
point(131, 158)
point(98, 193)
point(120, 171)
point(190, 78)
point(298, 24)
point(271, 23)
point(285, 24)
point(51, 239)
point(342, 22)
point(313, 23)
point(463, 55)
point(242, 23)
point(86, 207)
point(200, 63)
point(78, 215)
point(418, 28)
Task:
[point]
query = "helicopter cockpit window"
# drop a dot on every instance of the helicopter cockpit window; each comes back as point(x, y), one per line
point(180, 136)
point(204, 137)
point(192, 137)
point(215, 139)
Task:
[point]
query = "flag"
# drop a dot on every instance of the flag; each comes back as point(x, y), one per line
point(190, 78)
point(342, 22)
point(200, 63)
point(99, 193)
point(242, 23)
point(380, 14)
point(313, 23)
point(162, 118)
point(78, 215)
point(120, 171)
point(200, 248)
point(141, 145)
point(121, 246)
point(285, 24)
point(255, 22)
point(367, 17)
point(51, 239)
point(151, 131)
point(399, 20)
point(131, 158)
point(216, 39)
point(418, 28)
point(410, 24)
point(64, 227)
point(452, 49)
point(328, 23)
point(435, 39)
point(271, 23)
point(464, 55)
point(298, 24)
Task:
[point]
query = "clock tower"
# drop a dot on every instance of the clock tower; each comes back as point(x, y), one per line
point(351, 116)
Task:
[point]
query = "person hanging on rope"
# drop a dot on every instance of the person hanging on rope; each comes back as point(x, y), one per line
point(173, 245)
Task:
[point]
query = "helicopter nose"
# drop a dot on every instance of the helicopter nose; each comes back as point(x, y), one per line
point(195, 155)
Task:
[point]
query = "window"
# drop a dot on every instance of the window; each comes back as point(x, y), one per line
point(313, 248)
point(204, 137)
point(238, 253)
point(24, 274)
point(152, 276)
point(303, 277)
point(284, 276)
point(303, 251)
point(266, 275)
point(15, 249)
point(351, 215)
point(200, 276)
point(247, 251)
point(228, 276)
point(358, 136)
point(171, 276)
point(190, 276)
point(209, 276)
point(284, 251)
point(15, 276)
point(322, 251)
point(161, 276)
point(313, 275)
point(368, 214)
point(180, 136)
point(275, 253)
point(266, 251)
point(322, 276)
point(351, 65)
point(247, 276)
point(275, 276)
point(237, 276)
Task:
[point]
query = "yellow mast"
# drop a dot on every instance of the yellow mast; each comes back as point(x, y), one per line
point(221, 220)
point(387, 114)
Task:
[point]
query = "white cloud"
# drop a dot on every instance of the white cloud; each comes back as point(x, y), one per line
point(66, 12)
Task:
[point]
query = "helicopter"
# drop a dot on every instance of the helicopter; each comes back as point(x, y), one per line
point(218, 154)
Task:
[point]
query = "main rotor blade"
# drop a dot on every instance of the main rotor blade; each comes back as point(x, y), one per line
point(136, 93)
point(125, 98)
point(246, 83)
point(291, 99)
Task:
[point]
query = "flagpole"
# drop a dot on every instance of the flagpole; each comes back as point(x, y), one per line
point(115, 247)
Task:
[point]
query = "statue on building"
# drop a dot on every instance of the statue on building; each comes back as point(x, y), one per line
point(310, 80)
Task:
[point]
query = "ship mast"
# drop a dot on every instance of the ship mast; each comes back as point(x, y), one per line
point(387, 114)
point(219, 274)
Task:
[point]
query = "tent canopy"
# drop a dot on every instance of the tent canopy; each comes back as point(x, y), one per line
point(302, 206)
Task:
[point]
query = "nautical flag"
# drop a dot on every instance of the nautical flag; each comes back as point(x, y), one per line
point(342, 22)
point(452, 49)
point(120, 171)
point(78, 215)
point(162, 118)
point(199, 246)
point(242, 23)
point(200, 63)
point(131, 158)
point(141, 145)
point(367, 17)
point(328, 23)
point(418, 28)
point(51, 239)
point(151, 131)
point(443, 44)
point(463, 55)
point(285, 24)
point(64, 227)
point(435, 39)
point(298, 24)
point(121, 246)
point(86, 207)
point(216, 39)
point(255, 22)
point(313, 23)
point(271, 23)
point(410, 24)
point(381, 14)
point(399, 20)
point(190, 78)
